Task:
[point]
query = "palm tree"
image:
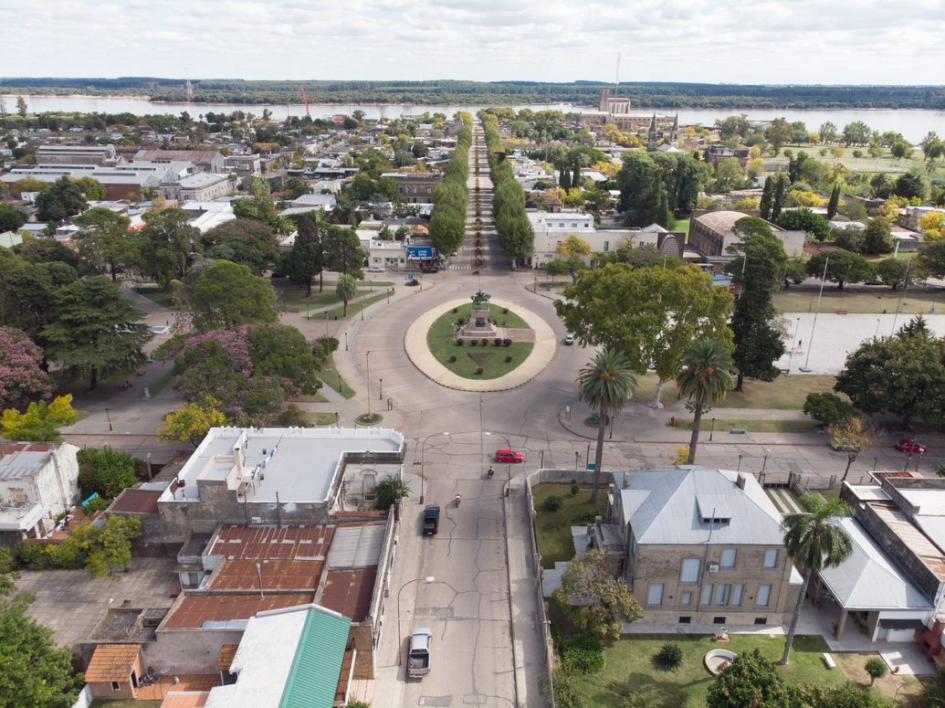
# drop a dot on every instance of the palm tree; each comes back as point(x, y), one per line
point(705, 378)
point(346, 289)
point(814, 541)
point(607, 384)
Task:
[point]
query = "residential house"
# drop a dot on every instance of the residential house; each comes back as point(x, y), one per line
point(702, 546)
point(205, 160)
point(712, 232)
point(417, 187)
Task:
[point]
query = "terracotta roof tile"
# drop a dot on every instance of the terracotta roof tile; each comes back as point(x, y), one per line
point(112, 662)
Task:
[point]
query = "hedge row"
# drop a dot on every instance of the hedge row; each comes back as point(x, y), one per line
point(448, 223)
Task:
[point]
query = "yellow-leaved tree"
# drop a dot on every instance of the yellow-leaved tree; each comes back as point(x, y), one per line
point(40, 422)
point(190, 422)
point(933, 225)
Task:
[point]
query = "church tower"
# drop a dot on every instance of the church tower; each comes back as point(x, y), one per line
point(652, 135)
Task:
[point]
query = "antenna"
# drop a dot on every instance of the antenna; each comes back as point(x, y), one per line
point(617, 77)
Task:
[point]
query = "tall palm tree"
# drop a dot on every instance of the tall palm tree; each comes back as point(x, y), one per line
point(607, 384)
point(814, 541)
point(346, 289)
point(705, 378)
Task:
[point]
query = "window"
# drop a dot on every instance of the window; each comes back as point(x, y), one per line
point(655, 598)
point(690, 571)
point(706, 598)
point(723, 594)
point(686, 599)
point(737, 594)
point(761, 620)
point(115, 686)
point(718, 620)
point(685, 620)
point(728, 558)
point(771, 558)
point(764, 595)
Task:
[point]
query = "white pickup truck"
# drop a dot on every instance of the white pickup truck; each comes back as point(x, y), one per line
point(418, 653)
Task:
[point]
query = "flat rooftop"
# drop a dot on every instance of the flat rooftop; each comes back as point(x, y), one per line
point(194, 611)
point(298, 464)
point(349, 592)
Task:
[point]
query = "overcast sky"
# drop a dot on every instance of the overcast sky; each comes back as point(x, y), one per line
point(727, 41)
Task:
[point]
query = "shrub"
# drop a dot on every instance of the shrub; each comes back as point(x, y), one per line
point(452, 358)
point(669, 656)
point(505, 310)
point(292, 417)
point(105, 471)
point(575, 489)
point(388, 491)
point(472, 342)
point(459, 341)
point(583, 654)
point(479, 371)
point(552, 503)
point(508, 359)
point(455, 310)
point(496, 342)
point(507, 342)
point(876, 668)
point(827, 408)
point(565, 693)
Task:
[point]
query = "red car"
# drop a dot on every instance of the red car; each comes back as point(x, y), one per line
point(911, 447)
point(509, 457)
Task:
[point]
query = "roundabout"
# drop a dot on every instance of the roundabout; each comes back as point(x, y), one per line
point(504, 348)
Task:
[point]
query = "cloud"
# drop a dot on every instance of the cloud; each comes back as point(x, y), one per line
point(769, 41)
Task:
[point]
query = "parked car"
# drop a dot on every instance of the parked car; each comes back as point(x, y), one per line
point(418, 653)
point(431, 520)
point(430, 269)
point(911, 447)
point(509, 456)
point(569, 339)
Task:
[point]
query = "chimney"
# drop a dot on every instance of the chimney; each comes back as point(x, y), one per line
point(740, 481)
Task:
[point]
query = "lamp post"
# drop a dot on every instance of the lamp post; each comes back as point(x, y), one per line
point(712, 431)
point(380, 392)
point(346, 340)
point(109, 419)
point(367, 359)
point(764, 463)
point(400, 636)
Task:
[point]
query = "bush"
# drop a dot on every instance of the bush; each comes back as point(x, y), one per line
point(828, 408)
point(669, 656)
point(388, 491)
point(292, 417)
point(507, 342)
point(582, 654)
point(876, 668)
point(552, 503)
point(566, 694)
point(575, 489)
point(479, 371)
point(496, 342)
point(452, 358)
point(472, 342)
point(455, 310)
point(508, 359)
point(459, 341)
point(505, 310)
point(105, 471)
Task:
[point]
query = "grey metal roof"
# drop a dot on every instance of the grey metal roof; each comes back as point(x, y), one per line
point(356, 546)
point(23, 464)
point(663, 507)
point(868, 580)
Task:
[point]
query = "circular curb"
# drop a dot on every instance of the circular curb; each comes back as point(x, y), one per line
point(415, 344)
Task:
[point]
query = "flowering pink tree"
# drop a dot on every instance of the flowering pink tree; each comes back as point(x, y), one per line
point(21, 377)
point(235, 342)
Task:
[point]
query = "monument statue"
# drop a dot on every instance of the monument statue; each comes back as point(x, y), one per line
point(480, 299)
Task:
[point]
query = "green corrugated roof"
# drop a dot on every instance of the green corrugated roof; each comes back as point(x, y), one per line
point(316, 667)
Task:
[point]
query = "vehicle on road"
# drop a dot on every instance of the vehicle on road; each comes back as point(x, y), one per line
point(569, 339)
point(159, 329)
point(418, 653)
point(509, 457)
point(431, 520)
point(911, 447)
point(430, 269)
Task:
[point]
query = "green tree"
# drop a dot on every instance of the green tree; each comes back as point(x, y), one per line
point(60, 200)
point(104, 243)
point(876, 237)
point(281, 353)
point(165, 245)
point(805, 220)
point(750, 680)
point(729, 175)
point(91, 188)
point(931, 259)
point(911, 185)
point(777, 199)
point(876, 668)
point(758, 271)
point(767, 196)
point(856, 133)
point(21, 108)
point(33, 670)
point(779, 133)
point(227, 295)
point(96, 330)
point(389, 491)
point(346, 289)
point(842, 267)
point(827, 408)
point(27, 293)
point(704, 379)
point(606, 602)
point(105, 471)
point(902, 375)
point(307, 257)
point(11, 218)
point(245, 241)
point(894, 272)
point(834, 202)
point(607, 384)
point(343, 252)
point(260, 206)
point(814, 541)
point(852, 436)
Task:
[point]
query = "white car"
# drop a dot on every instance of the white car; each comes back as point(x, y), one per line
point(159, 329)
point(375, 269)
point(569, 339)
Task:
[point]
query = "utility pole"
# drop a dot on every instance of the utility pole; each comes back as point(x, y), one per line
point(810, 344)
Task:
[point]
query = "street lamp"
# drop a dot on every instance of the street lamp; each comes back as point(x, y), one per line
point(346, 340)
point(367, 359)
point(764, 463)
point(380, 393)
point(400, 636)
point(712, 431)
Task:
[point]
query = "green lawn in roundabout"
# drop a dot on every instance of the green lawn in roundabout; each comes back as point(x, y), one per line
point(468, 358)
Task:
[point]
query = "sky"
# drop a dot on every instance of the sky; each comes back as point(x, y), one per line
point(710, 41)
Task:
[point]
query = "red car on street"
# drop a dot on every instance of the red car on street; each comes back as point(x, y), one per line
point(509, 457)
point(911, 447)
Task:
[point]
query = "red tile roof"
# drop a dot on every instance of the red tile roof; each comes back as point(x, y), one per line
point(112, 662)
point(136, 501)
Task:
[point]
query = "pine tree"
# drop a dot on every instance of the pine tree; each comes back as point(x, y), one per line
point(834, 202)
point(564, 179)
point(765, 204)
point(778, 198)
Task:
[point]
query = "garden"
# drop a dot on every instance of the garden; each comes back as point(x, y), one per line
point(475, 360)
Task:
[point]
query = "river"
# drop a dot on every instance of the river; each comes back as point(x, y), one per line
point(912, 123)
